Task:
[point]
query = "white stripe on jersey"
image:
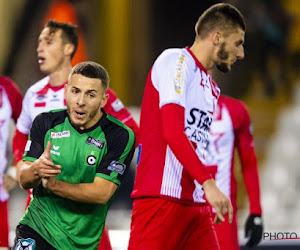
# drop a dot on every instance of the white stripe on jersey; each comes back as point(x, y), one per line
point(198, 193)
point(172, 176)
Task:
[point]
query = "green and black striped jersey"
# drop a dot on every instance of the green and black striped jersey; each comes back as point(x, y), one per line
point(104, 150)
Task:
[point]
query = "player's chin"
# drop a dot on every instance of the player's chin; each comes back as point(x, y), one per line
point(77, 122)
point(224, 67)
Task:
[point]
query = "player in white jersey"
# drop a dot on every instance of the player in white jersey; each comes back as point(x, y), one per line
point(231, 129)
point(10, 108)
point(170, 210)
point(57, 45)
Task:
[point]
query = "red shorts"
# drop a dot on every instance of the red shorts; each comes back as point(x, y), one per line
point(104, 243)
point(228, 234)
point(162, 224)
point(3, 224)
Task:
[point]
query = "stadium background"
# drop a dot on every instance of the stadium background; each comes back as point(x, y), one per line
point(127, 36)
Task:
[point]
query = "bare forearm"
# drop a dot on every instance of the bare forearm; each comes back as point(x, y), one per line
point(98, 192)
point(29, 177)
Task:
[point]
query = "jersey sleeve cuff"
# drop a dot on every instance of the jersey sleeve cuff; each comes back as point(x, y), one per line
point(112, 177)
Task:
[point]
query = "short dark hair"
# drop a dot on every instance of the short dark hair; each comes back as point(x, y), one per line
point(69, 32)
point(222, 15)
point(92, 70)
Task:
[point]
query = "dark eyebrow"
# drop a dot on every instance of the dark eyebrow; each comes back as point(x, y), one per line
point(88, 91)
point(91, 90)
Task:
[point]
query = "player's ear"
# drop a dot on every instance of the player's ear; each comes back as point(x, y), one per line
point(69, 48)
point(104, 100)
point(216, 38)
point(65, 90)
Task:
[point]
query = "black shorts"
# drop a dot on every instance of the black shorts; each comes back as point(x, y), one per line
point(27, 238)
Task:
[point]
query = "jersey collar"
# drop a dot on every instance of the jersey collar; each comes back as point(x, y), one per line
point(198, 63)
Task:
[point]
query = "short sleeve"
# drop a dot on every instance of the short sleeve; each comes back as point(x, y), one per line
point(120, 150)
point(169, 77)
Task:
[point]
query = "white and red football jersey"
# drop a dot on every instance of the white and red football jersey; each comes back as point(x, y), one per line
point(177, 79)
point(231, 128)
point(10, 108)
point(40, 97)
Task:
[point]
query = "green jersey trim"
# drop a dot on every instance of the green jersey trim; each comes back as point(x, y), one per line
point(27, 158)
point(112, 177)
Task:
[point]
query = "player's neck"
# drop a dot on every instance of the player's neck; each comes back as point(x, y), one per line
point(59, 77)
point(203, 53)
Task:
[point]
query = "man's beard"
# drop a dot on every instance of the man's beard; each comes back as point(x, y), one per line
point(223, 55)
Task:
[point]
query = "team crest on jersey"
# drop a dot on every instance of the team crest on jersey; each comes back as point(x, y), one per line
point(91, 157)
point(179, 74)
point(60, 134)
point(40, 97)
point(26, 244)
point(94, 142)
point(117, 167)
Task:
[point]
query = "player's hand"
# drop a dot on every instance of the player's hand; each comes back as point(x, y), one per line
point(218, 201)
point(45, 166)
point(48, 182)
point(8, 182)
point(253, 230)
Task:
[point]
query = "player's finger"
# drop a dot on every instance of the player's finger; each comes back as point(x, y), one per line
point(217, 220)
point(47, 150)
point(219, 213)
point(49, 173)
point(45, 162)
point(230, 212)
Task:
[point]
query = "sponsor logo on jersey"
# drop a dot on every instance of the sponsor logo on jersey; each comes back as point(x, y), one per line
point(179, 74)
point(54, 152)
point(117, 105)
point(117, 167)
point(91, 158)
point(28, 144)
point(26, 244)
point(40, 97)
point(198, 126)
point(60, 134)
point(94, 142)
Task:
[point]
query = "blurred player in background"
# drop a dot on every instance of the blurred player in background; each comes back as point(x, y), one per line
point(170, 210)
point(10, 108)
point(231, 129)
point(57, 45)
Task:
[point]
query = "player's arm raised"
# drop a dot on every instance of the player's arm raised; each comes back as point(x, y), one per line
point(31, 173)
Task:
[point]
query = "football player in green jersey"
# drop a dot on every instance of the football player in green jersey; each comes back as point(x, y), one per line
point(75, 159)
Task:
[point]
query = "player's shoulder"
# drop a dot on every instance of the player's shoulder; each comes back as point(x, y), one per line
point(38, 85)
point(52, 118)
point(172, 55)
point(116, 127)
point(9, 84)
point(111, 92)
point(4, 80)
point(233, 104)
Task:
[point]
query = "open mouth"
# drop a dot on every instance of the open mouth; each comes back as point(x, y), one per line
point(79, 114)
point(41, 60)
